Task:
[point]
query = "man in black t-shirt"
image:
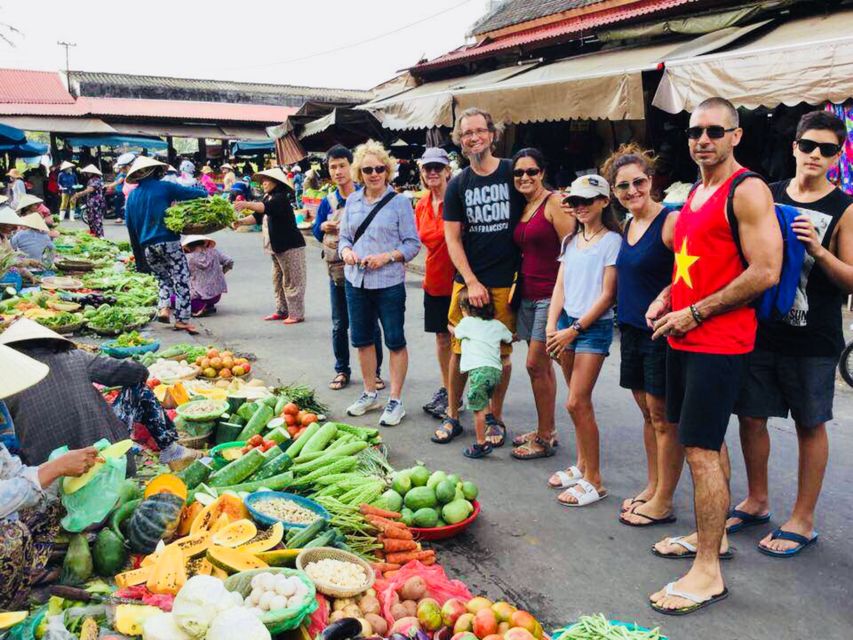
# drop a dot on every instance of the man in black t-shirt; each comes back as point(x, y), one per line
point(793, 365)
point(480, 212)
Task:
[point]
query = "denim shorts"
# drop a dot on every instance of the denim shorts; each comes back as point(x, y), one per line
point(531, 319)
point(596, 338)
point(388, 304)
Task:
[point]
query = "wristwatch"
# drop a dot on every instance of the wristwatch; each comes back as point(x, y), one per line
point(576, 325)
point(391, 257)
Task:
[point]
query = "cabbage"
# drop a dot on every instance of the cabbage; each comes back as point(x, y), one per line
point(199, 601)
point(237, 623)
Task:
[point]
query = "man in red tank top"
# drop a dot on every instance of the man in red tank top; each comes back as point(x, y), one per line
point(711, 329)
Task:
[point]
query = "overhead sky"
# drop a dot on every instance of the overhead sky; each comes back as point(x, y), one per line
point(284, 41)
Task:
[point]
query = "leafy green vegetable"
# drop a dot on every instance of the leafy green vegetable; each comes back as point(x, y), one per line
point(599, 628)
point(132, 339)
point(215, 210)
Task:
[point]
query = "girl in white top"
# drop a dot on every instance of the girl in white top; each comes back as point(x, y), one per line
point(580, 328)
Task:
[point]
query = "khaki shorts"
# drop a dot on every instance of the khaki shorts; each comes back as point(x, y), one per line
point(503, 312)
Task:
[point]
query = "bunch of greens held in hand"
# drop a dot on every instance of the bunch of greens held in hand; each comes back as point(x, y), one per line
point(213, 211)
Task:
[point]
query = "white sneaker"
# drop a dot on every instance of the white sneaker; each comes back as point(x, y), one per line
point(393, 414)
point(364, 404)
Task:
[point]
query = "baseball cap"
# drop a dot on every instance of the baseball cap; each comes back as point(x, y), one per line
point(589, 186)
point(434, 155)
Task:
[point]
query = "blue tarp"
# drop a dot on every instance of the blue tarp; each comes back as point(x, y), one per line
point(114, 140)
point(25, 150)
point(11, 135)
point(251, 147)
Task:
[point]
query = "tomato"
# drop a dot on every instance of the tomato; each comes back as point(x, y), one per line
point(291, 408)
point(268, 445)
point(299, 416)
point(289, 419)
point(308, 418)
point(291, 430)
point(256, 440)
point(153, 383)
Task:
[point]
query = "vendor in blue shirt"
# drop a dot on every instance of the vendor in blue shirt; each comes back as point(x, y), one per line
point(152, 241)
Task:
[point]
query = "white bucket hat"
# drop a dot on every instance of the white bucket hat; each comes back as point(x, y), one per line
point(27, 371)
point(190, 239)
point(66, 165)
point(141, 163)
point(24, 329)
point(90, 168)
point(27, 200)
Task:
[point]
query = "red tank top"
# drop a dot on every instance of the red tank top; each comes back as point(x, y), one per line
point(540, 247)
point(706, 260)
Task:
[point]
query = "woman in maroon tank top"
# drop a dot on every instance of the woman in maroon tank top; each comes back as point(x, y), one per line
point(538, 234)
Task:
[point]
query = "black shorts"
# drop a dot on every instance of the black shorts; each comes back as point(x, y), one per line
point(436, 309)
point(701, 390)
point(775, 384)
point(643, 361)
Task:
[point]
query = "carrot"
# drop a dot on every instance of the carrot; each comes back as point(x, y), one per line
point(429, 561)
point(383, 524)
point(406, 556)
point(398, 534)
point(384, 567)
point(369, 510)
point(395, 546)
point(390, 574)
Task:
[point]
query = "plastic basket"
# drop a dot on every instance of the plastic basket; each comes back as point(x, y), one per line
point(280, 619)
point(201, 229)
point(307, 556)
point(220, 407)
point(216, 452)
point(12, 279)
point(631, 626)
point(111, 349)
point(441, 533)
point(270, 521)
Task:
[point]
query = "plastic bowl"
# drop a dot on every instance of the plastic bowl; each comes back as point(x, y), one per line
point(268, 521)
point(440, 533)
point(111, 349)
point(214, 414)
point(218, 460)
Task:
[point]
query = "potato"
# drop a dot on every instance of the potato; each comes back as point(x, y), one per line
point(369, 604)
point(414, 588)
point(337, 615)
point(411, 607)
point(370, 592)
point(366, 629)
point(399, 611)
point(352, 611)
point(378, 623)
point(340, 603)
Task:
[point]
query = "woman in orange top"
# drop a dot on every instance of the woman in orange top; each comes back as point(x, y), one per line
point(439, 270)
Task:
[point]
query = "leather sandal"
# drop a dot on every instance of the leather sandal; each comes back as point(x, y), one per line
point(339, 382)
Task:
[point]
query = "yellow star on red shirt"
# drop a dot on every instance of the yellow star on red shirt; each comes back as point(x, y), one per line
point(683, 262)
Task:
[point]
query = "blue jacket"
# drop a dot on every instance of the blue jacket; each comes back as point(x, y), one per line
point(325, 210)
point(66, 180)
point(145, 212)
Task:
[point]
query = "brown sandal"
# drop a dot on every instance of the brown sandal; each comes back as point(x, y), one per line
point(339, 382)
point(526, 451)
point(524, 438)
point(380, 383)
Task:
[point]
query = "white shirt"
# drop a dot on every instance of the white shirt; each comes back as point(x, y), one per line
point(583, 272)
point(481, 342)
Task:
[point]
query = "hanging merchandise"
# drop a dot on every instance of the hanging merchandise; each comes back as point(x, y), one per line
point(842, 173)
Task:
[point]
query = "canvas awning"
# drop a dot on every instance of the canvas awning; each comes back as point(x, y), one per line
point(59, 124)
point(115, 140)
point(10, 134)
point(431, 104)
point(252, 147)
point(25, 149)
point(806, 60)
point(163, 129)
point(600, 85)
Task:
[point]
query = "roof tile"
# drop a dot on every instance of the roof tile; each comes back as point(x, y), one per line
point(32, 87)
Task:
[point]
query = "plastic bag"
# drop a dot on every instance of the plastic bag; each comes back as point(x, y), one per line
point(439, 586)
point(56, 629)
point(319, 620)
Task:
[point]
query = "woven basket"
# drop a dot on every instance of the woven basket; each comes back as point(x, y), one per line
point(201, 229)
point(308, 556)
point(193, 442)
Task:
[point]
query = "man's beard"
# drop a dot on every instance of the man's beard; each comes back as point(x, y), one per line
point(477, 157)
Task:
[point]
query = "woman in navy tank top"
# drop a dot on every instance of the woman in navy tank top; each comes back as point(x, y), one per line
point(644, 272)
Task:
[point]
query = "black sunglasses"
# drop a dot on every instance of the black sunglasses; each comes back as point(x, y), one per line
point(433, 167)
point(637, 183)
point(715, 132)
point(533, 171)
point(827, 149)
point(368, 171)
point(577, 201)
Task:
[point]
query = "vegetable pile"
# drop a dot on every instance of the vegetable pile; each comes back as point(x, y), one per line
point(132, 339)
point(215, 211)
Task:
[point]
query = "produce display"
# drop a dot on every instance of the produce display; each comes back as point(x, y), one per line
point(285, 510)
point(428, 500)
point(132, 339)
point(163, 369)
point(214, 364)
point(338, 573)
point(216, 212)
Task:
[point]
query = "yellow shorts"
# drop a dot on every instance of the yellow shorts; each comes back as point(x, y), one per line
point(503, 312)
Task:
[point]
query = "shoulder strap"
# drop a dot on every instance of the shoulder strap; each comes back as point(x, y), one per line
point(730, 210)
point(370, 216)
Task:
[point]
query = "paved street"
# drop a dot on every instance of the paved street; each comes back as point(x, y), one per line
point(560, 563)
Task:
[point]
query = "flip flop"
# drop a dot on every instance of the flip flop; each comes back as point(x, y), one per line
point(746, 520)
point(546, 450)
point(340, 381)
point(565, 479)
point(779, 534)
point(651, 522)
point(585, 494)
point(495, 428)
point(190, 329)
point(691, 550)
point(275, 316)
point(699, 602)
point(451, 427)
point(380, 383)
point(477, 450)
point(634, 503)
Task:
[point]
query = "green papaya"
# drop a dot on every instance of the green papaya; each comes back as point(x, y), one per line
point(77, 567)
point(108, 553)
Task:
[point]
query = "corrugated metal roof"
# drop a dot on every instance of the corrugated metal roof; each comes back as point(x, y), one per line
point(514, 12)
point(275, 91)
point(549, 32)
point(185, 110)
point(32, 87)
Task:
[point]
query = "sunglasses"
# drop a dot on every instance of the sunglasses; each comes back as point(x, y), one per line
point(433, 167)
point(369, 171)
point(715, 132)
point(637, 183)
point(528, 172)
point(577, 201)
point(827, 149)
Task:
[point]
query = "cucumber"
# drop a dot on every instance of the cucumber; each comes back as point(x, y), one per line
point(323, 540)
point(302, 440)
point(322, 461)
point(273, 467)
point(279, 436)
point(321, 438)
point(279, 405)
point(247, 410)
point(259, 420)
point(308, 457)
point(363, 433)
point(227, 432)
point(270, 401)
point(275, 423)
point(306, 535)
point(275, 483)
point(238, 469)
point(196, 473)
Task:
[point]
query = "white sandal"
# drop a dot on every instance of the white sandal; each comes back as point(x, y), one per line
point(567, 480)
point(585, 494)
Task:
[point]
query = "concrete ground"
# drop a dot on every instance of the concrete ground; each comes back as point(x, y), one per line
point(525, 547)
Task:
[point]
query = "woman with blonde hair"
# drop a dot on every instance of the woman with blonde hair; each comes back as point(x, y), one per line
point(377, 237)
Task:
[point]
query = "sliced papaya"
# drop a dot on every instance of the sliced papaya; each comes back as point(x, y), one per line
point(133, 577)
point(188, 516)
point(72, 485)
point(265, 539)
point(234, 560)
point(166, 483)
point(11, 618)
point(225, 504)
point(235, 533)
point(216, 572)
point(169, 574)
point(198, 567)
point(279, 557)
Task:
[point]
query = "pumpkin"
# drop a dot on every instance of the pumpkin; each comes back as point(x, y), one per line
point(279, 557)
point(265, 539)
point(155, 519)
point(169, 573)
point(235, 534)
point(188, 516)
point(233, 560)
point(108, 553)
point(166, 483)
point(228, 505)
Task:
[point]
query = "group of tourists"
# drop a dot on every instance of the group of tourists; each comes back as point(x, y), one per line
point(509, 259)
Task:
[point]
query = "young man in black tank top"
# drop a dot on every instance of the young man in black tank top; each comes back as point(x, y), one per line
point(793, 365)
